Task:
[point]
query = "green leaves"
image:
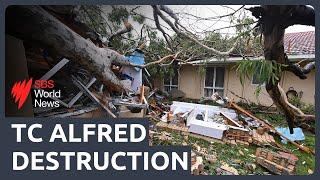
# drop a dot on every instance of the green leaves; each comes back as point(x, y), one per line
point(263, 70)
point(118, 14)
point(138, 18)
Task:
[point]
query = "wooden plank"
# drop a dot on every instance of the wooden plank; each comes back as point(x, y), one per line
point(75, 98)
point(55, 69)
point(230, 119)
point(301, 147)
point(91, 96)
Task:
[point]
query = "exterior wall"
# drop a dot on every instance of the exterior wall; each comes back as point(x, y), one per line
point(246, 91)
point(306, 86)
point(158, 83)
point(191, 82)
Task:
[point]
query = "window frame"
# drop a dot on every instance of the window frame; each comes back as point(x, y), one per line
point(171, 86)
point(254, 84)
point(214, 87)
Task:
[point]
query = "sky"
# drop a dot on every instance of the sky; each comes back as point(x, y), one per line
point(188, 17)
point(206, 11)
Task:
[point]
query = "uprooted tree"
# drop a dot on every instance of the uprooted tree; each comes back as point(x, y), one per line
point(55, 27)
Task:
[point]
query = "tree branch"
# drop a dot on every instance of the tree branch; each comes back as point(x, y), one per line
point(165, 35)
point(273, 20)
point(179, 32)
point(168, 57)
point(299, 71)
point(127, 28)
point(41, 27)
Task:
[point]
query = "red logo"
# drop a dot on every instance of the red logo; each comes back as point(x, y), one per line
point(20, 91)
point(44, 84)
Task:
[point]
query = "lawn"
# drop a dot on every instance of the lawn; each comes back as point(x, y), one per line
point(238, 156)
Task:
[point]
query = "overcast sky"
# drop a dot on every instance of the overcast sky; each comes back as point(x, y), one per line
point(189, 18)
point(207, 11)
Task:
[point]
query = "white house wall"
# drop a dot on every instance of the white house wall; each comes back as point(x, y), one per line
point(191, 82)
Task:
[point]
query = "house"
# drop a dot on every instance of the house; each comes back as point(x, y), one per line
point(220, 76)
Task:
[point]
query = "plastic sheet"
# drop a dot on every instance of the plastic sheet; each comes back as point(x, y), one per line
point(296, 136)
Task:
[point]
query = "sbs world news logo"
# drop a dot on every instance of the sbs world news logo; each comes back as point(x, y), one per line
point(43, 90)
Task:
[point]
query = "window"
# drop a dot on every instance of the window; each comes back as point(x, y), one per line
point(255, 79)
point(214, 81)
point(171, 82)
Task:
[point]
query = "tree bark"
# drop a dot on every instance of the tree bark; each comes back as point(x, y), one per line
point(67, 16)
point(35, 24)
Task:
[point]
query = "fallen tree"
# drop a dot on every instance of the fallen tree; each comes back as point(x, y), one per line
point(272, 21)
point(34, 23)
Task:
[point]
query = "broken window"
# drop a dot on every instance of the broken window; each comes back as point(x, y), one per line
point(171, 82)
point(214, 81)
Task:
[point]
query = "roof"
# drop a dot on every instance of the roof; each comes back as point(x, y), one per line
point(298, 45)
point(300, 42)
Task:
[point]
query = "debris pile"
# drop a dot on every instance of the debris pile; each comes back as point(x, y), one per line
point(80, 92)
point(84, 95)
point(228, 124)
point(278, 163)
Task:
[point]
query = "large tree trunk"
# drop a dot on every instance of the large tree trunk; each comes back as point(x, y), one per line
point(273, 20)
point(35, 24)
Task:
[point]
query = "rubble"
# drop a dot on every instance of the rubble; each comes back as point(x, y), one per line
point(224, 125)
point(85, 95)
point(225, 169)
point(164, 136)
point(280, 164)
point(211, 158)
point(250, 167)
point(196, 161)
point(262, 139)
point(238, 137)
point(175, 93)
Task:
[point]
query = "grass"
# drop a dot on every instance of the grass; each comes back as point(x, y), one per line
point(306, 161)
point(225, 153)
point(231, 154)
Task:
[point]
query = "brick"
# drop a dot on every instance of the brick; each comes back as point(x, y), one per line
point(274, 162)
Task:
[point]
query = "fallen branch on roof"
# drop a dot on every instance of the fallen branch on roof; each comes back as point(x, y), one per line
point(168, 57)
point(160, 61)
point(175, 27)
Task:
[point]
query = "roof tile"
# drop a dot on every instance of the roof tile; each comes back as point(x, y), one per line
point(299, 43)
